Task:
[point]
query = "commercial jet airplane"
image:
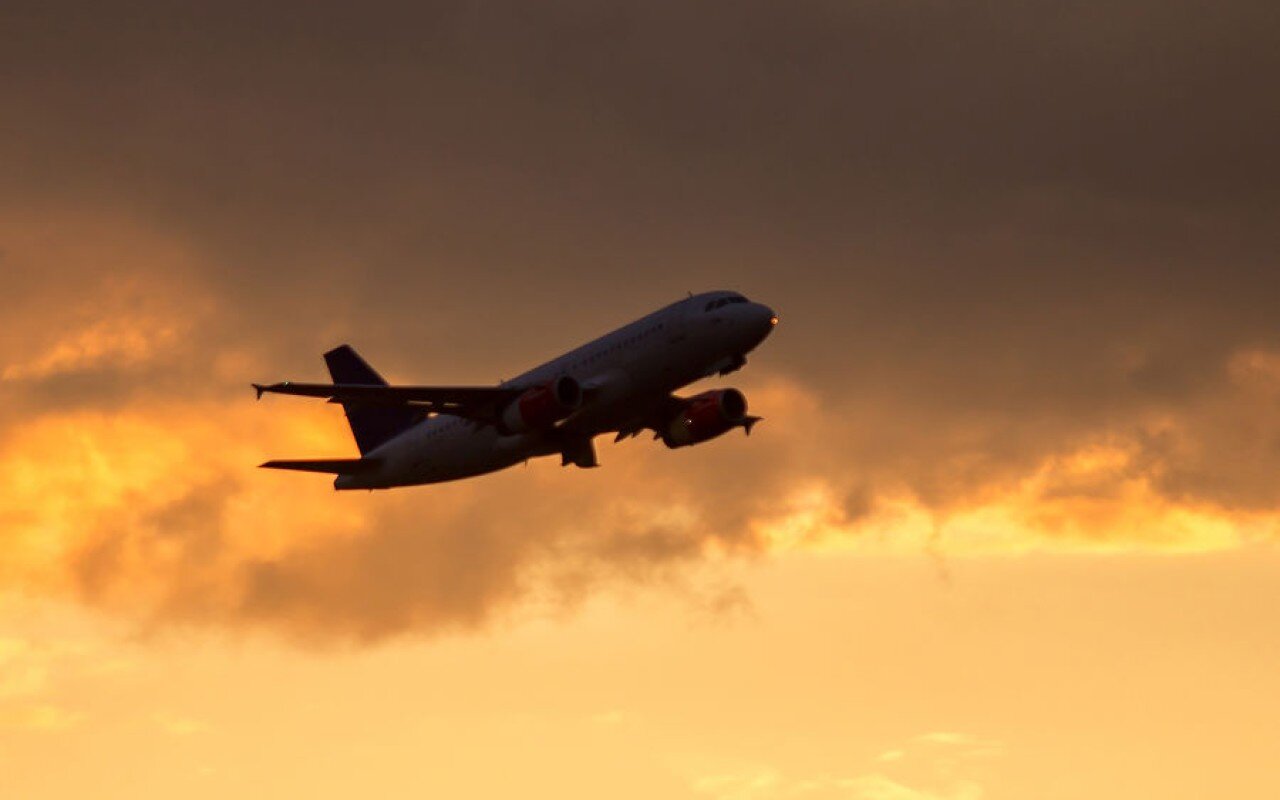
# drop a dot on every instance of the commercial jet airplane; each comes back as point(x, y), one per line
point(622, 383)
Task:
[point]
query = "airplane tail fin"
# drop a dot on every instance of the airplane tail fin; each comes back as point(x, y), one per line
point(371, 425)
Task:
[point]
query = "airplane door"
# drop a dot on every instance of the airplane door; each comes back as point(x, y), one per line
point(678, 326)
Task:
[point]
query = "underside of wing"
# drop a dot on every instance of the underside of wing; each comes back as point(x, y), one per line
point(652, 416)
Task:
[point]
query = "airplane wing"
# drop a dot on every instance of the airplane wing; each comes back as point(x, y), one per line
point(339, 466)
point(652, 417)
point(476, 402)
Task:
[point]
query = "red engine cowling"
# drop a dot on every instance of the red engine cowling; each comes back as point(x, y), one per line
point(706, 416)
point(542, 406)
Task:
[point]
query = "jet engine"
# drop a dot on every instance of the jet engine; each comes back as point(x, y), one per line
point(542, 406)
point(706, 416)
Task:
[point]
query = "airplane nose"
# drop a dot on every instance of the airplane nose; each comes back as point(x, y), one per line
point(768, 317)
point(764, 319)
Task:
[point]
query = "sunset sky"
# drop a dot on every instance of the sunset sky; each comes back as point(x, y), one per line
point(1008, 530)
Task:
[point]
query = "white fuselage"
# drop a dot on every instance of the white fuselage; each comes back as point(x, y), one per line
point(625, 373)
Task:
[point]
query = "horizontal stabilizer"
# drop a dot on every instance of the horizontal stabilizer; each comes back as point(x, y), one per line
point(339, 466)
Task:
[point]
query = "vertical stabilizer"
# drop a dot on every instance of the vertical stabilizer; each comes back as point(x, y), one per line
point(370, 424)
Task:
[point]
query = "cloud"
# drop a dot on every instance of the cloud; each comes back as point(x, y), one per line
point(177, 724)
point(611, 718)
point(160, 514)
point(31, 674)
point(879, 787)
point(767, 784)
point(121, 341)
point(1023, 265)
point(21, 673)
point(757, 783)
point(41, 717)
point(931, 766)
point(157, 513)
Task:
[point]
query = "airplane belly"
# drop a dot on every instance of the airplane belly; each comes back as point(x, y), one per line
point(469, 452)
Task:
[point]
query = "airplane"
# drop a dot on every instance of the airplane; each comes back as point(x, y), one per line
point(622, 383)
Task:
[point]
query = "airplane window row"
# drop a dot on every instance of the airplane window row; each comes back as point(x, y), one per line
point(592, 358)
point(724, 301)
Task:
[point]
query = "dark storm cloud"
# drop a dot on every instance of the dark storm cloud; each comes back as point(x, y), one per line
point(995, 232)
point(945, 174)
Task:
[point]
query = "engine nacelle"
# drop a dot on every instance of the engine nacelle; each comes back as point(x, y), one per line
point(542, 406)
point(706, 416)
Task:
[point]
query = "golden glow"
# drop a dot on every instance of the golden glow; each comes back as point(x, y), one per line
point(144, 554)
point(119, 342)
point(68, 478)
point(175, 613)
point(1044, 511)
point(1007, 531)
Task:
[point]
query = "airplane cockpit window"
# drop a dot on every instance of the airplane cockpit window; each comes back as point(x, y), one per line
point(724, 301)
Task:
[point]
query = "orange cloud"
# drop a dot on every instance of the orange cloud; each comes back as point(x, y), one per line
point(114, 342)
point(157, 511)
point(1088, 500)
point(151, 506)
point(71, 479)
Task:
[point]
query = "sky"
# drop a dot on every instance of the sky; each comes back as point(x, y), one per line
point(1008, 529)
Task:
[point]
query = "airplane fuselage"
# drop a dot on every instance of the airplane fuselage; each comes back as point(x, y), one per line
point(622, 374)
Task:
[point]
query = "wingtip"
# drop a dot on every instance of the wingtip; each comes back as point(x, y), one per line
point(259, 388)
point(749, 423)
